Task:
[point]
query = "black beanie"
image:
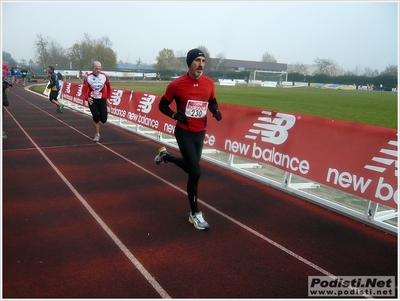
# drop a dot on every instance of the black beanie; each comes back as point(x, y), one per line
point(192, 55)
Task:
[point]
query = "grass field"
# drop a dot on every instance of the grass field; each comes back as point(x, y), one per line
point(367, 107)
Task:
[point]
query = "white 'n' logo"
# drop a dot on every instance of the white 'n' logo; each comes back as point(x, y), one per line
point(79, 92)
point(146, 103)
point(273, 129)
point(68, 88)
point(116, 96)
point(381, 162)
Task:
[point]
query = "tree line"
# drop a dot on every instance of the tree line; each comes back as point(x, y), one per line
point(82, 53)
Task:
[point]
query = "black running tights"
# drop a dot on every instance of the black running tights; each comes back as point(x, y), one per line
point(191, 146)
point(99, 110)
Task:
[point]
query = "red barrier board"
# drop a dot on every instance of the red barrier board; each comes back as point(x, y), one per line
point(355, 158)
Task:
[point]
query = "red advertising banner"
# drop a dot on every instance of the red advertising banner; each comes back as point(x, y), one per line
point(355, 158)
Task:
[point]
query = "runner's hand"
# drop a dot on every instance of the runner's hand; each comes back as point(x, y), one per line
point(217, 115)
point(181, 117)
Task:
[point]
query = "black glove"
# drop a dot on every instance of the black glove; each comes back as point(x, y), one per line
point(181, 117)
point(217, 115)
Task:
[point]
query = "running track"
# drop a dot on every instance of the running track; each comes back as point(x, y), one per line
point(101, 220)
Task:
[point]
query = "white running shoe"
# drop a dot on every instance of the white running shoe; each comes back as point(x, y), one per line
point(96, 138)
point(198, 221)
point(161, 153)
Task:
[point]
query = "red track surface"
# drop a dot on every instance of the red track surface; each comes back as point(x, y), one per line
point(101, 220)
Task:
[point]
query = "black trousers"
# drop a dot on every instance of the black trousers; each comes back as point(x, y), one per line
point(191, 146)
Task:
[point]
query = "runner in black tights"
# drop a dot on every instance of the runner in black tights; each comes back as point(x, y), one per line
point(194, 94)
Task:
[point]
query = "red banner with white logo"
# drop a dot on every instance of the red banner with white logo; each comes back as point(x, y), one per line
point(355, 158)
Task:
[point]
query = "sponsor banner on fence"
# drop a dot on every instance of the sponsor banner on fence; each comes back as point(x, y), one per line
point(355, 158)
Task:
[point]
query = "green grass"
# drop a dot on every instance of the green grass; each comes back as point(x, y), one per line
point(367, 107)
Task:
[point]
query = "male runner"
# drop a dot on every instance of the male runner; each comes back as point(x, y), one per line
point(194, 94)
point(97, 91)
point(54, 87)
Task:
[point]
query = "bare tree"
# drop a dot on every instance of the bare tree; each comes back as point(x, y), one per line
point(325, 66)
point(180, 53)
point(23, 63)
point(357, 70)
point(58, 56)
point(31, 63)
point(268, 58)
point(205, 51)
point(297, 68)
point(41, 50)
point(49, 52)
point(368, 72)
point(105, 41)
point(390, 70)
point(220, 57)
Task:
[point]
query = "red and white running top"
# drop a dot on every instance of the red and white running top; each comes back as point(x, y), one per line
point(97, 87)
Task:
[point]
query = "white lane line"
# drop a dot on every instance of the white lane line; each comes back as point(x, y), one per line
point(116, 240)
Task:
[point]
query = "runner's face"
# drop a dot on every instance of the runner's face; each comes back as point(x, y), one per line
point(96, 69)
point(196, 69)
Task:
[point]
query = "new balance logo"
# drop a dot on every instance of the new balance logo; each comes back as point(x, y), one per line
point(380, 164)
point(68, 88)
point(146, 103)
point(79, 92)
point(116, 96)
point(273, 128)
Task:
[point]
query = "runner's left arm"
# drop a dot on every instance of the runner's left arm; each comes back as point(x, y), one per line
point(213, 107)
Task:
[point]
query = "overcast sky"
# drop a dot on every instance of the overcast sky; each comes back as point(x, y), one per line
point(362, 34)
